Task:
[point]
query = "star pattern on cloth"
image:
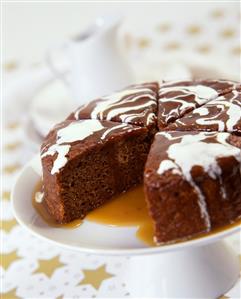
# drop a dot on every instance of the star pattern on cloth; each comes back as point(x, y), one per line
point(95, 277)
point(7, 259)
point(12, 146)
point(10, 66)
point(48, 266)
point(9, 169)
point(9, 295)
point(7, 225)
point(236, 50)
point(217, 13)
point(163, 27)
point(6, 195)
point(13, 125)
point(144, 42)
point(193, 29)
point(227, 33)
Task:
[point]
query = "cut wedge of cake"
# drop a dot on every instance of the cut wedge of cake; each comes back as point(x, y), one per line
point(192, 183)
point(87, 162)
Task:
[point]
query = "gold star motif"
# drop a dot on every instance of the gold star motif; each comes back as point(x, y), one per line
point(10, 66)
point(11, 168)
point(227, 33)
point(6, 195)
point(143, 42)
point(48, 266)
point(12, 146)
point(7, 259)
point(13, 125)
point(7, 225)
point(95, 277)
point(236, 51)
point(193, 30)
point(204, 49)
point(163, 27)
point(172, 46)
point(10, 295)
point(217, 14)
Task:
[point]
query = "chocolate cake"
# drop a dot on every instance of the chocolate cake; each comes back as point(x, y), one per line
point(222, 114)
point(192, 179)
point(180, 97)
point(83, 162)
point(192, 183)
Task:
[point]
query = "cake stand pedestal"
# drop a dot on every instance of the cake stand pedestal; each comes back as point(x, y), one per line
point(206, 271)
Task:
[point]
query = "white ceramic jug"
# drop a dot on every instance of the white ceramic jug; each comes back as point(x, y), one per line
point(97, 65)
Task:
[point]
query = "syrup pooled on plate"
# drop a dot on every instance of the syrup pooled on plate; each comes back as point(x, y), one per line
point(127, 209)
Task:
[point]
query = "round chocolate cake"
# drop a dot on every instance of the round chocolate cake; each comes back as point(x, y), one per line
point(183, 139)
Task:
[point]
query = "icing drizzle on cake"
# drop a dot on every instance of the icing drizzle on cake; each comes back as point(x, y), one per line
point(39, 197)
point(221, 114)
point(176, 100)
point(201, 149)
point(201, 93)
point(76, 131)
point(128, 104)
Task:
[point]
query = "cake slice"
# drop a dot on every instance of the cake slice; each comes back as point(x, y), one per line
point(87, 162)
point(180, 97)
point(222, 114)
point(192, 183)
point(136, 105)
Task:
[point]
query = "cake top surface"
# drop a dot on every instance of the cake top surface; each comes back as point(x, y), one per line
point(137, 104)
point(180, 97)
point(183, 150)
point(189, 155)
point(71, 138)
point(220, 86)
point(221, 114)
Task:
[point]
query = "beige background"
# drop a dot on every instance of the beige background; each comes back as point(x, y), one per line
point(29, 28)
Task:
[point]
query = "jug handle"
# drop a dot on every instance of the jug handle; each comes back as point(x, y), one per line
point(59, 74)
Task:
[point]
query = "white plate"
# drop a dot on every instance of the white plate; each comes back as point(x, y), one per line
point(88, 237)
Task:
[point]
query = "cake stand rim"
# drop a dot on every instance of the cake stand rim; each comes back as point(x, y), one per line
point(187, 244)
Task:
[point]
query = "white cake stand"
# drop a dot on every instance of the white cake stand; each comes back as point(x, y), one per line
point(201, 268)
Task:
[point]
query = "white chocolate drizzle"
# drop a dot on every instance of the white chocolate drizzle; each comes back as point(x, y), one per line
point(222, 112)
point(114, 105)
point(39, 197)
point(75, 131)
point(193, 150)
point(108, 131)
point(202, 93)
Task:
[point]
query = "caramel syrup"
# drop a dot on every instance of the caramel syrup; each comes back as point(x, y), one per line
point(127, 209)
